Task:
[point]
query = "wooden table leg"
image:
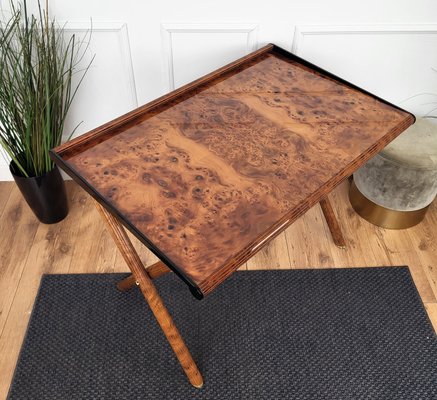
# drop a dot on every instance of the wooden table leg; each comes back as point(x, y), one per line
point(151, 295)
point(154, 271)
point(333, 224)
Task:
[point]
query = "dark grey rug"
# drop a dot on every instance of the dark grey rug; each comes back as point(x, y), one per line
point(302, 334)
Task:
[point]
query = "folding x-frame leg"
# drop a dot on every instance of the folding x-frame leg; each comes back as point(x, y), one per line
point(154, 271)
point(143, 278)
point(144, 281)
point(332, 222)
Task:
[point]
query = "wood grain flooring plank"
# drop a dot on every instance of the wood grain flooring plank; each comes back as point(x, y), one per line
point(51, 252)
point(81, 244)
point(97, 251)
point(272, 256)
point(401, 250)
point(18, 226)
point(431, 309)
point(362, 246)
point(5, 191)
point(424, 238)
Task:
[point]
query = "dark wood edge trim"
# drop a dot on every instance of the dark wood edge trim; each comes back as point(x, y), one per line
point(128, 225)
point(279, 50)
point(64, 149)
point(235, 262)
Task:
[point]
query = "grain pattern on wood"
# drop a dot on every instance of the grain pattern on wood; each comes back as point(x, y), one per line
point(18, 227)
point(209, 175)
point(154, 271)
point(306, 240)
point(431, 308)
point(151, 295)
point(98, 248)
point(127, 283)
point(424, 240)
point(272, 256)
point(400, 250)
point(370, 245)
point(5, 191)
point(49, 249)
point(332, 221)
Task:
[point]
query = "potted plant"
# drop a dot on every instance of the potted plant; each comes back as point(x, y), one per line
point(37, 64)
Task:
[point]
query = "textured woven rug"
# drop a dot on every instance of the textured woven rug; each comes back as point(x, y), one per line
point(300, 334)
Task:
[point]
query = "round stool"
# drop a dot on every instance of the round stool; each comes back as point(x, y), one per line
point(394, 189)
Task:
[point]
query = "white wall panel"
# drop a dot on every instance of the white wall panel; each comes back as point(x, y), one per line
point(388, 47)
point(396, 62)
point(108, 89)
point(194, 49)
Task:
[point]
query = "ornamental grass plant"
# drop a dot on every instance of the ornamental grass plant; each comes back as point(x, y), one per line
point(38, 60)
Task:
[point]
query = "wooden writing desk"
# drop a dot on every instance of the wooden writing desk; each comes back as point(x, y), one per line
point(208, 174)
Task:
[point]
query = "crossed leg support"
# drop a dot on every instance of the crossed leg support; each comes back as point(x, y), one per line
point(154, 271)
point(143, 279)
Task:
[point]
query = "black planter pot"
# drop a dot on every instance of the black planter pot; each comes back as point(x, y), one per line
point(45, 194)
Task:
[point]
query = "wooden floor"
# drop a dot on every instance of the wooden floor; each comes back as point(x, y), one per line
point(80, 244)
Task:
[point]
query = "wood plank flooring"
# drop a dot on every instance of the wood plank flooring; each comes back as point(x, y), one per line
point(80, 244)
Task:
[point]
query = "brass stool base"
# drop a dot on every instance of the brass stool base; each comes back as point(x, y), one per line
point(381, 216)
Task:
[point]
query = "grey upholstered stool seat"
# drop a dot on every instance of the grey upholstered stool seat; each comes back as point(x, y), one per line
point(395, 188)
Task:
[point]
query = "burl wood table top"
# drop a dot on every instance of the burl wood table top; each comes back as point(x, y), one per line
point(208, 174)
